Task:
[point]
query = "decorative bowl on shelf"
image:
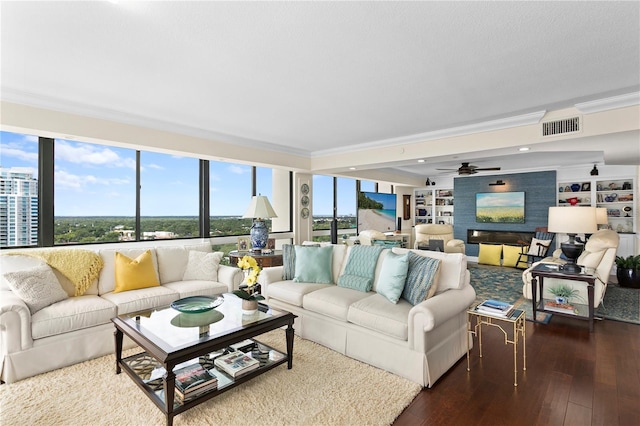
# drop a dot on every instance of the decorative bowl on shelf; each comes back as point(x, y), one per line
point(575, 187)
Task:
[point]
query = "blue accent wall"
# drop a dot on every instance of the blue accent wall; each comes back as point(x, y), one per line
point(540, 194)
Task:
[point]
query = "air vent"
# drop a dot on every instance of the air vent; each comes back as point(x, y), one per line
point(561, 127)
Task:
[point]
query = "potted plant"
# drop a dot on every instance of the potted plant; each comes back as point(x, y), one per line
point(563, 293)
point(628, 271)
point(248, 290)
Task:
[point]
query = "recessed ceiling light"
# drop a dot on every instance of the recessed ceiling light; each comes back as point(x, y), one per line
point(420, 161)
point(523, 149)
point(352, 168)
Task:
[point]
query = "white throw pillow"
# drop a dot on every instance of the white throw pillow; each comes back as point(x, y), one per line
point(535, 249)
point(202, 266)
point(38, 287)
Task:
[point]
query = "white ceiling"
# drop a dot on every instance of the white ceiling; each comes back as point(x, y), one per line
point(318, 77)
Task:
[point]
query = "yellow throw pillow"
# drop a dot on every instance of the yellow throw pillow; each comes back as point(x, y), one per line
point(134, 274)
point(490, 254)
point(511, 254)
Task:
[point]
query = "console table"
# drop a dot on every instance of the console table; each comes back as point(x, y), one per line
point(264, 260)
point(587, 276)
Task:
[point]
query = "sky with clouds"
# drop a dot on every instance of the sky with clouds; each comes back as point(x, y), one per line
point(99, 180)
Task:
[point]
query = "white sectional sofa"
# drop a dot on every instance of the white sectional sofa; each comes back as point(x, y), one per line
point(79, 328)
point(418, 342)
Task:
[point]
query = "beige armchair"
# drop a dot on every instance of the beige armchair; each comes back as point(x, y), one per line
point(367, 236)
point(425, 233)
point(599, 253)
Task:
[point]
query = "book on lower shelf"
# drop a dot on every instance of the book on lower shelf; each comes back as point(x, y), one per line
point(193, 380)
point(495, 307)
point(236, 363)
point(564, 308)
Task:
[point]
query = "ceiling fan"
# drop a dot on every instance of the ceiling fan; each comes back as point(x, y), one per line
point(467, 169)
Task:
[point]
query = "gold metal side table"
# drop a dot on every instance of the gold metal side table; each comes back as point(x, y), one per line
point(516, 321)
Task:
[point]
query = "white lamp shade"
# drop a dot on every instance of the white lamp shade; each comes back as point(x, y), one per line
point(601, 216)
point(572, 220)
point(260, 208)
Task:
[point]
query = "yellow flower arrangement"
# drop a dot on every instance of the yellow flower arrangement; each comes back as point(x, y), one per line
point(249, 293)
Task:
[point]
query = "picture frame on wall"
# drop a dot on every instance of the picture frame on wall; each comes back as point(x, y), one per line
point(586, 186)
point(244, 244)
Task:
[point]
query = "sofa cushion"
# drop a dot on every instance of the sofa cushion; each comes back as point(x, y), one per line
point(313, 264)
point(422, 278)
point(332, 301)
point(377, 314)
point(490, 254)
point(360, 269)
point(288, 261)
point(72, 314)
point(134, 274)
point(291, 292)
point(38, 287)
point(453, 268)
point(197, 288)
point(141, 299)
point(202, 266)
point(107, 282)
point(393, 276)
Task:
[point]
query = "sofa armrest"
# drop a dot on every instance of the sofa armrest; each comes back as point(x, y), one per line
point(231, 276)
point(428, 315)
point(269, 275)
point(15, 323)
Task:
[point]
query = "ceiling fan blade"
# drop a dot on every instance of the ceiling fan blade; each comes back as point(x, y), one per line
point(488, 168)
point(447, 169)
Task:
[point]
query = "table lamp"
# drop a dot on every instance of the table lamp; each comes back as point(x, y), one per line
point(259, 209)
point(571, 221)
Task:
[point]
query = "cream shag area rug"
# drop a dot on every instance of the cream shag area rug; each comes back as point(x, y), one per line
point(323, 388)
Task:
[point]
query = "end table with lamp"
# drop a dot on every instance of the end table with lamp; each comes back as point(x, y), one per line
point(264, 260)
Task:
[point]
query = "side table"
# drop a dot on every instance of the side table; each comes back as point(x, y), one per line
point(263, 260)
point(515, 321)
point(587, 276)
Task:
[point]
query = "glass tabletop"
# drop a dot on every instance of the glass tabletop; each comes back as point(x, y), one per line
point(557, 268)
point(172, 330)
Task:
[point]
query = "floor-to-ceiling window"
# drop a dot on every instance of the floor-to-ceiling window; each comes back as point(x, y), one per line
point(18, 190)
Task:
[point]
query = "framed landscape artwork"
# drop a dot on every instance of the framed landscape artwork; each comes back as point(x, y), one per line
point(500, 207)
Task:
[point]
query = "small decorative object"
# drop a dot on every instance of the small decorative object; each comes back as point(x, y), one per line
point(627, 210)
point(567, 188)
point(248, 291)
point(575, 187)
point(304, 201)
point(598, 187)
point(304, 213)
point(561, 189)
point(586, 187)
point(197, 304)
point(612, 185)
point(626, 186)
point(304, 188)
point(573, 200)
point(628, 271)
point(563, 293)
point(244, 244)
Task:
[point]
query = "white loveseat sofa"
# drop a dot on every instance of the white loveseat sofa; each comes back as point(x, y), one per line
point(79, 328)
point(418, 342)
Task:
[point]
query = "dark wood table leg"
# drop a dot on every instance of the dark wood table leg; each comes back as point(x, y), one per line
point(289, 334)
point(118, 337)
point(534, 294)
point(169, 391)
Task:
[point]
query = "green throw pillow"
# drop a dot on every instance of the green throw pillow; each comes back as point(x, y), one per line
point(393, 275)
point(421, 278)
point(313, 264)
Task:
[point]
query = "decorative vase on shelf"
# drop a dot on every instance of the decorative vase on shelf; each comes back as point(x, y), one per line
point(575, 187)
point(249, 307)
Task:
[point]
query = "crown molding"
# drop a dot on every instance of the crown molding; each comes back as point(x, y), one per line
point(614, 102)
point(485, 126)
point(76, 108)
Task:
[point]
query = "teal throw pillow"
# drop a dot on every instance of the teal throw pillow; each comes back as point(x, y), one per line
point(361, 268)
point(393, 275)
point(313, 264)
point(421, 278)
point(355, 282)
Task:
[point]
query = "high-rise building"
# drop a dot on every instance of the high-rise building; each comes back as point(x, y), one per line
point(18, 207)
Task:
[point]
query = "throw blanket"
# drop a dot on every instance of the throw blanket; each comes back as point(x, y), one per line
point(361, 268)
point(81, 267)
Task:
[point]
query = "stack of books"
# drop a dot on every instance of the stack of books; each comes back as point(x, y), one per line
point(565, 308)
point(194, 380)
point(236, 363)
point(495, 307)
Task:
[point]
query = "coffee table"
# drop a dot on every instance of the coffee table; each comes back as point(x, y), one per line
point(172, 339)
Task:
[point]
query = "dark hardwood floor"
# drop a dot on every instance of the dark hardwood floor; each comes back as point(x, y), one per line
point(573, 377)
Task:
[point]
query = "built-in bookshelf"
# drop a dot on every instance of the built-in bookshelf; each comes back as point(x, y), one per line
point(433, 206)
